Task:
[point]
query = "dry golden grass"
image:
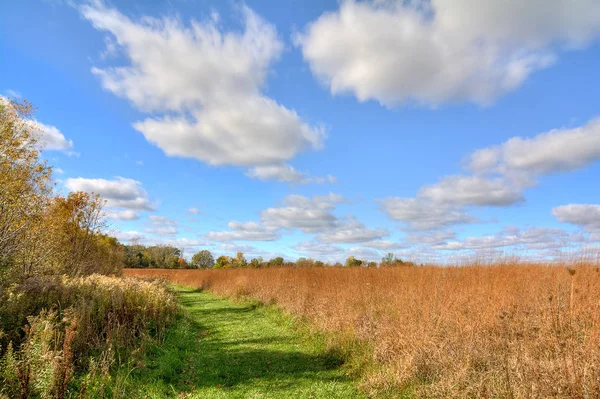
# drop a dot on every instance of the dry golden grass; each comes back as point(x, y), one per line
point(508, 331)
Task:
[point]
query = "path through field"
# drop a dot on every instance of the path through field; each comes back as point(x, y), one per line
point(238, 350)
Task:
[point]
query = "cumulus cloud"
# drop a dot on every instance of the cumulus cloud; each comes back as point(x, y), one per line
point(244, 231)
point(432, 52)
point(204, 86)
point(125, 214)
point(472, 190)
point(499, 176)
point(52, 139)
point(286, 173)
point(423, 214)
point(318, 249)
point(119, 193)
point(352, 232)
point(311, 215)
point(523, 159)
point(583, 215)
point(194, 211)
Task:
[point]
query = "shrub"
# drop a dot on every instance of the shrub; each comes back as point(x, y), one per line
point(78, 318)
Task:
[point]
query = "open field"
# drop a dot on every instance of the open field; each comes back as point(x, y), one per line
point(507, 331)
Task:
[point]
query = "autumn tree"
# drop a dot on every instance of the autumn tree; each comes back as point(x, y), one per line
point(26, 188)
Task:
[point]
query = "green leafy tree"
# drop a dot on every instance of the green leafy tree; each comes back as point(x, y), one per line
point(203, 260)
point(353, 262)
point(276, 262)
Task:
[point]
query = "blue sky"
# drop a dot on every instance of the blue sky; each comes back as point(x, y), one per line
point(323, 129)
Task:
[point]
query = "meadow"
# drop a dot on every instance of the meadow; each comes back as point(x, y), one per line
point(505, 331)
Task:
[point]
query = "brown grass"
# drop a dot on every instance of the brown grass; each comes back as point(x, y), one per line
point(509, 331)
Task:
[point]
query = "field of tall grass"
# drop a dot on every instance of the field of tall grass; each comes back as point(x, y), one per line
point(506, 331)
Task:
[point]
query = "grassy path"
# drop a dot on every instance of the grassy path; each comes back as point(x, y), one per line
point(224, 349)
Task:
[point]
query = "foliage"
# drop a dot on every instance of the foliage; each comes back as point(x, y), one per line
point(157, 256)
point(203, 260)
point(353, 262)
point(94, 316)
point(57, 307)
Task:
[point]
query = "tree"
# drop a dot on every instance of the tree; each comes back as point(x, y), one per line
point(239, 260)
point(203, 260)
point(25, 189)
point(353, 262)
point(388, 259)
point(222, 262)
point(276, 262)
point(256, 263)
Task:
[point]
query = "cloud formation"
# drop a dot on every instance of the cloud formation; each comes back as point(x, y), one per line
point(498, 177)
point(203, 86)
point(118, 193)
point(438, 51)
point(286, 173)
point(583, 215)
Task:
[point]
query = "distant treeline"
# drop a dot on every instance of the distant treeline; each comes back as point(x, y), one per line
point(169, 257)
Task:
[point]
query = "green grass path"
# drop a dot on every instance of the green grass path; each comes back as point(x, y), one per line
point(225, 349)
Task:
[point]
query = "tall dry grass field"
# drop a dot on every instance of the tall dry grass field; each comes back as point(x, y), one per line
point(509, 331)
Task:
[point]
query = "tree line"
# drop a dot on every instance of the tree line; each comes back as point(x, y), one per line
point(170, 257)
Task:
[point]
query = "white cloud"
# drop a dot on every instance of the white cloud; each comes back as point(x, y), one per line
point(522, 159)
point(499, 176)
point(51, 139)
point(125, 214)
point(162, 231)
point(231, 249)
point(126, 236)
point(247, 231)
point(471, 190)
point(195, 211)
point(584, 215)
point(422, 214)
point(119, 193)
point(384, 245)
point(364, 254)
point(436, 51)
point(162, 220)
point(206, 85)
point(352, 232)
point(286, 173)
point(431, 237)
point(161, 226)
point(309, 215)
point(535, 239)
point(317, 249)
